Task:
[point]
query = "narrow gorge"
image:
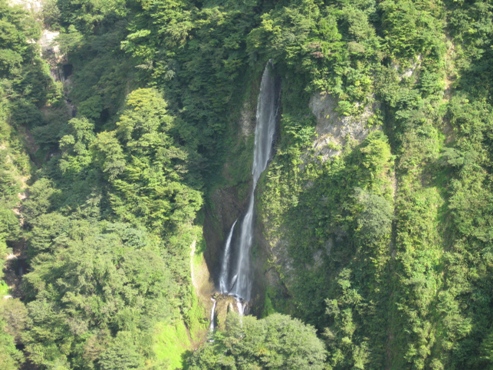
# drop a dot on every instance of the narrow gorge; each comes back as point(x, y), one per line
point(236, 274)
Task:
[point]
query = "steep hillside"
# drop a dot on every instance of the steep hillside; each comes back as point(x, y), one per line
point(126, 148)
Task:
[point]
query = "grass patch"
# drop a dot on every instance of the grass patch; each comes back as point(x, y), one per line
point(170, 343)
point(197, 321)
point(197, 317)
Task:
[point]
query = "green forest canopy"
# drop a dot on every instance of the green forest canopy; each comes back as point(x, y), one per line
point(114, 196)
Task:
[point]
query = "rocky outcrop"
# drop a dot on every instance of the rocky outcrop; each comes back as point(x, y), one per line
point(335, 130)
point(34, 6)
point(224, 305)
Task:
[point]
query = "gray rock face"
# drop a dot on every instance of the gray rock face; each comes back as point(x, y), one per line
point(224, 304)
point(34, 6)
point(334, 130)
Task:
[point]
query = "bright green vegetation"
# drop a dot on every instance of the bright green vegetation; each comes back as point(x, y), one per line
point(23, 90)
point(108, 266)
point(276, 342)
point(395, 230)
point(383, 251)
point(170, 343)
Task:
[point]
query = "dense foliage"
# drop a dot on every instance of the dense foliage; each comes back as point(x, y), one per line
point(400, 236)
point(23, 90)
point(107, 266)
point(276, 342)
point(382, 242)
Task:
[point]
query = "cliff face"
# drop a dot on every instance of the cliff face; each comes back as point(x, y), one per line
point(335, 136)
point(276, 273)
point(228, 199)
point(33, 6)
point(334, 130)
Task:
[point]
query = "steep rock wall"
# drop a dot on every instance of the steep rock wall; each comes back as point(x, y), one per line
point(290, 186)
point(228, 197)
point(335, 130)
point(228, 201)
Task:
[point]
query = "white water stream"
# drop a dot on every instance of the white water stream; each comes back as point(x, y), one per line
point(212, 322)
point(236, 271)
point(223, 278)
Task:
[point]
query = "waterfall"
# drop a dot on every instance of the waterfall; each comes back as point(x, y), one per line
point(236, 275)
point(213, 311)
point(223, 278)
point(240, 306)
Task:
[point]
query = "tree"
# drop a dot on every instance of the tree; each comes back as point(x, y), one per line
point(375, 219)
point(121, 353)
point(146, 171)
point(276, 342)
point(91, 281)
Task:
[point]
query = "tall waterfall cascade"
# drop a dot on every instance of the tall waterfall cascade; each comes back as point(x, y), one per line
point(236, 269)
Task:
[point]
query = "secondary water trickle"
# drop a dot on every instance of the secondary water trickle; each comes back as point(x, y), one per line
point(212, 322)
point(223, 278)
point(236, 272)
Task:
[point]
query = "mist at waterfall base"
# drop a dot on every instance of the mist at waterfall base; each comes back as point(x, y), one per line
point(236, 278)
